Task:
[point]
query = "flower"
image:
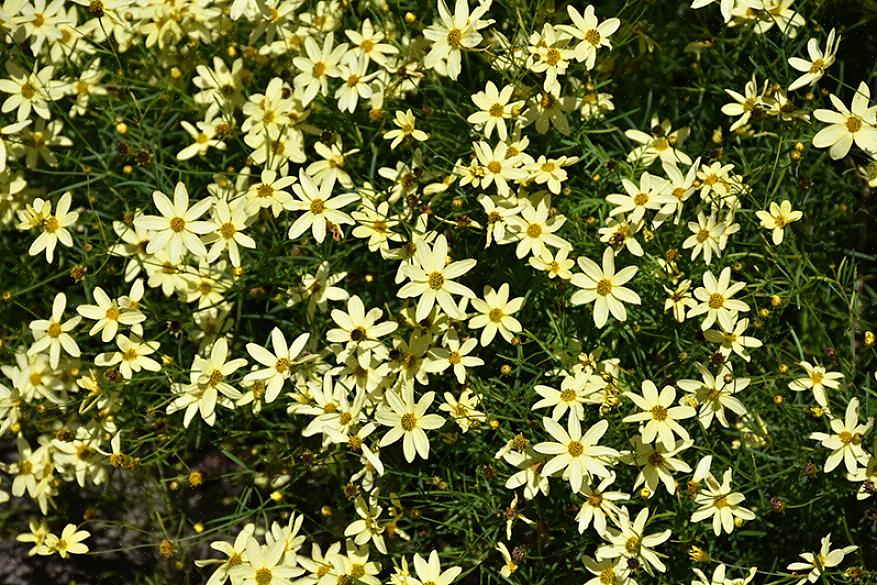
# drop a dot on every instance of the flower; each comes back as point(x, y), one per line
point(661, 417)
point(29, 91)
point(455, 356)
point(714, 394)
point(535, 230)
point(578, 455)
point(278, 364)
point(494, 109)
point(599, 505)
point(857, 124)
point(733, 339)
point(320, 207)
point(109, 315)
point(679, 300)
point(495, 314)
point(778, 218)
point(608, 571)
point(509, 565)
point(316, 66)
point(432, 280)
point(454, 32)
point(359, 330)
point(405, 122)
point(430, 572)
point(131, 357)
point(657, 464)
point(650, 194)
point(819, 61)
point(629, 541)
point(53, 335)
point(846, 442)
point(557, 265)
point(54, 226)
point(408, 421)
point(715, 300)
point(574, 392)
point(499, 166)
point(69, 543)
point(817, 380)
point(817, 563)
point(271, 192)
point(264, 566)
point(603, 287)
point(744, 105)
point(706, 238)
point(176, 227)
point(718, 502)
point(591, 33)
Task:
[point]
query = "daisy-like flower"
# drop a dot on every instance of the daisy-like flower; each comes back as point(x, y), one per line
point(455, 356)
point(408, 420)
point(814, 68)
point(270, 192)
point(745, 104)
point(716, 302)
point(29, 91)
point(317, 65)
point(599, 506)
point(657, 465)
point(495, 314)
point(453, 33)
point(319, 206)
point(556, 264)
point(265, 565)
point(679, 300)
point(69, 543)
point(708, 232)
point(574, 392)
point(630, 541)
point(714, 394)
point(177, 228)
point(659, 415)
point(578, 455)
point(857, 124)
point(846, 441)
point(230, 221)
point(494, 109)
point(498, 167)
point(433, 281)
point(236, 553)
point(778, 218)
point(54, 226)
point(431, 571)
point(278, 364)
point(718, 502)
point(131, 357)
point(205, 137)
point(509, 565)
point(53, 335)
point(604, 287)
point(591, 33)
point(108, 315)
point(405, 127)
point(817, 563)
point(549, 55)
point(661, 144)
point(733, 340)
point(369, 45)
point(608, 571)
point(650, 194)
point(535, 230)
point(368, 527)
point(817, 380)
point(360, 331)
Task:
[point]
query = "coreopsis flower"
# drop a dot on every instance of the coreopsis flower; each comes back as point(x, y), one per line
point(509, 565)
point(620, 234)
point(495, 108)
point(29, 91)
point(599, 506)
point(846, 441)
point(358, 330)
point(54, 226)
point(53, 335)
point(857, 124)
point(131, 357)
point(578, 455)
point(176, 230)
point(817, 563)
point(590, 33)
point(495, 314)
point(230, 221)
point(778, 218)
point(549, 55)
point(817, 380)
point(454, 355)
point(433, 281)
point(278, 364)
point(535, 230)
point(708, 232)
point(408, 421)
point(318, 289)
point(205, 136)
point(236, 553)
point(316, 66)
point(499, 166)
point(320, 207)
point(744, 105)
point(265, 565)
point(556, 264)
point(108, 315)
point(69, 543)
point(679, 300)
point(631, 542)
point(650, 194)
point(733, 340)
point(814, 68)
point(574, 392)
point(657, 465)
point(368, 527)
point(354, 72)
point(463, 410)
point(368, 43)
point(608, 571)
point(661, 144)
point(658, 414)
point(718, 502)
point(715, 300)
point(405, 126)
point(714, 394)
point(430, 571)
point(453, 33)
point(604, 287)
point(549, 172)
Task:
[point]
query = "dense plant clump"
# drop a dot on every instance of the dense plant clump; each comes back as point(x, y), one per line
point(329, 292)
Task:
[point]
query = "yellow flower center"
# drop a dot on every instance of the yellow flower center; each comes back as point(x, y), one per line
point(494, 167)
point(593, 37)
point(495, 315)
point(215, 378)
point(264, 190)
point(51, 224)
point(659, 413)
point(607, 576)
point(845, 437)
point(54, 329)
point(409, 421)
point(854, 124)
point(454, 358)
point(641, 199)
point(317, 207)
point(575, 448)
point(604, 287)
point(178, 224)
point(112, 313)
point(568, 395)
point(496, 110)
point(436, 280)
point(716, 301)
point(703, 235)
point(227, 230)
point(534, 230)
point(319, 69)
point(264, 576)
point(281, 365)
point(632, 545)
point(721, 502)
point(816, 378)
point(455, 38)
point(552, 57)
point(817, 66)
